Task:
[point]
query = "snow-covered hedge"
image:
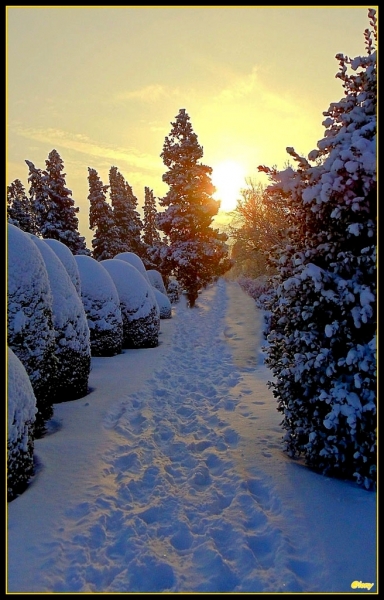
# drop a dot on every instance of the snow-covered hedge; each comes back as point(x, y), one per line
point(174, 291)
point(102, 307)
point(21, 414)
point(257, 288)
point(134, 260)
point(156, 280)
point(30, 330)
point(73, 350)
point(164, 304)
point(68, 260)
point(139, 309)
point(322, 330)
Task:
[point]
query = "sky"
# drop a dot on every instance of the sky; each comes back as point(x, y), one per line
point(169, 476)
point(102, 85)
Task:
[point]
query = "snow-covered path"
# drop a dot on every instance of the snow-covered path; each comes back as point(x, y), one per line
point(179, 482)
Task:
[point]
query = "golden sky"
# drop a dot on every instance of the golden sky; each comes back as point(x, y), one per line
point(102, 85)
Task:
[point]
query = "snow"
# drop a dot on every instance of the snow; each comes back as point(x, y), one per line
point(139, 309)
point(68, 260)
point(156, 280)
point(164, 304)
point(21, 408)
point(30, 331)
point(102, 306)
point(73, 350)
point(134, 260)
point(169, 476)
point(67, 306)
point(21, 401)
point(133, 289)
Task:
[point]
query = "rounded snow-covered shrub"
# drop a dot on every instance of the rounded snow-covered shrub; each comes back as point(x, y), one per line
point(174, 291)
point(134, 260)
point(21, 414)
point(30, 330)
point(73, 350)
point(164, 304)
point(156, 280)
point(68, 260)
point(139, 309)
point(102, 307)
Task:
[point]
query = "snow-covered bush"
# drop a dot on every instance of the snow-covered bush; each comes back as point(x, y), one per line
point(102, 307)
point(134, 260)
point(156, 280)
point(322, 330)
point(21, 414)
point(164, 304)
point(162, 299)
point(73, 351)
point(30, 330)
point(68, 260)
point(256, 288)
point(139, 309)
point(174, 291)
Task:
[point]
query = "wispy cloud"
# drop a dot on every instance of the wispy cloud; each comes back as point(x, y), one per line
point(251, 85)
point(83, 144)
point(240, 87)
point(149, 93)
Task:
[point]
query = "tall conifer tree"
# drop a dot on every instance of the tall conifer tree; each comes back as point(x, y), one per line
point(20, 210)
point(154, 248)
point(54, 205)
point(37, 195)
point(105, 239)
point(126, 217)
point(197, 253)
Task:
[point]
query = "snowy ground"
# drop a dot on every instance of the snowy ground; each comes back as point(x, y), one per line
point(169, 477)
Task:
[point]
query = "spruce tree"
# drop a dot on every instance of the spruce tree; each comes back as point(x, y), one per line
point(38, 195)
point(20, 210)
point(105, 239)
point(153, 246)
point(323, 314)
point(151, 236)
point(125, 215)
point(197, 253)
point(55, 206)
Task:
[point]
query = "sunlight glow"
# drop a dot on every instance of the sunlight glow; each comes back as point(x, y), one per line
point(228, 178)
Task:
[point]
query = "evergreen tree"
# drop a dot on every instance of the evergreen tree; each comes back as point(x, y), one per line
point(55, 206)
point(151, 236)
point(323, 315)
point(197, 253)
point(38, 195)
point(20, 210)
point(105, 240)
point(125, 215)
point(153, 246)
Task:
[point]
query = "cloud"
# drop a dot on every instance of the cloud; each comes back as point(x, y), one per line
point(83, 144)
point(251, 86)
point(149, 93)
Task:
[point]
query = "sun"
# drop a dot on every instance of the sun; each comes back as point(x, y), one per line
point(228, 177)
